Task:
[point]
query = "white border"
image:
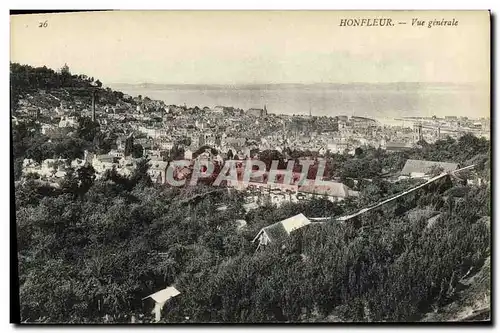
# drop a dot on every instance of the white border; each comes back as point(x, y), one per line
point(256, 4)
point(189, 4)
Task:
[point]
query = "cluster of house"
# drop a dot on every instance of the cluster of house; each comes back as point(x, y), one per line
point(50, 168)
point(260, 191)
point(120, 159)
point(227, 128)
point(234, 133)
point(54, 170)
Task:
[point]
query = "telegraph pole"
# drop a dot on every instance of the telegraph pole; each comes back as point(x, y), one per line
point(94, 93)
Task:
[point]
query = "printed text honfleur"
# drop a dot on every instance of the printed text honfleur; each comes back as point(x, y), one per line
point(366, 22)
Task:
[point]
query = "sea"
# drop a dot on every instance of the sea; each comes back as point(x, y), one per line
point(384, 102)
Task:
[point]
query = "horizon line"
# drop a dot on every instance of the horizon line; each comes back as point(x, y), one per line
point(297, 83)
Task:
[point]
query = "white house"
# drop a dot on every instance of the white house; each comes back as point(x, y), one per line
point(424, 168)
point(279, 231)
point(101, 163)
point(67, 121)
point(160, 298)
point(332, 190)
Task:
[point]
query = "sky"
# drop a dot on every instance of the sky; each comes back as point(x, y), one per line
point(228, 47)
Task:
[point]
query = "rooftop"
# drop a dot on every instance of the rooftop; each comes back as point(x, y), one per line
point(279, 231)
point(327, 187)
point(424, 166)
point(164, 295)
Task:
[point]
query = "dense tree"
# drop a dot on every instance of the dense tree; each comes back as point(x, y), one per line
point(65, 70)
point(176, 153)
point(137, 150)
point(112, 235)
point(268, 156)
point(87, 129)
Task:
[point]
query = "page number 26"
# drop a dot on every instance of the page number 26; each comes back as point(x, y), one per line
point(43, 24)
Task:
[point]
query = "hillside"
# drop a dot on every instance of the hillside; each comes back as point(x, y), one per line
point(43, 87)
point(384, 267)
point(472, 301)
point(91, 250)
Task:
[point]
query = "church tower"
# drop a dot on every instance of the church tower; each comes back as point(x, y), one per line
point(417, 128)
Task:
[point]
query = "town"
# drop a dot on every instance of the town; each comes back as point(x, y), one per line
point(250, 167)
point(131, 129)
point(258, 177)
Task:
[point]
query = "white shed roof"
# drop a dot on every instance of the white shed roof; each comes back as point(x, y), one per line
point(164, 295)
point(295, 222)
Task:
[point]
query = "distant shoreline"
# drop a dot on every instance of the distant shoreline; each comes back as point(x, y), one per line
point(329, 86)
point(385, 100)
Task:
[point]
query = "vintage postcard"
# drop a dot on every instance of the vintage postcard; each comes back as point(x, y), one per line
point(251, 166)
